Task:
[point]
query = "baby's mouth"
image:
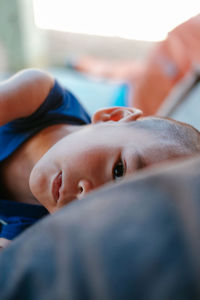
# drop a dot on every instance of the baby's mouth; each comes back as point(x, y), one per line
point(57, 183)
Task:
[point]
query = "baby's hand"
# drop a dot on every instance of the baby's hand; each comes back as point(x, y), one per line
point(4, 243)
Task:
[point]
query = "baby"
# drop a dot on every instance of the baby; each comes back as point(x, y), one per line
point(51, 153)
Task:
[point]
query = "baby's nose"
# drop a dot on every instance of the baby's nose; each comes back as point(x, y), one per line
point(84, 186)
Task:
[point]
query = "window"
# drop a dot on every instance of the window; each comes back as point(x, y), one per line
point(141, 20)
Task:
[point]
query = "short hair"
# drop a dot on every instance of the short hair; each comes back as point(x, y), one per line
point(182, 134)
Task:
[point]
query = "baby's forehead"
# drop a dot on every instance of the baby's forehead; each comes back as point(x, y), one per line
point(147, 124)
point(152, 123)
point(161, 127)
point(140, 127)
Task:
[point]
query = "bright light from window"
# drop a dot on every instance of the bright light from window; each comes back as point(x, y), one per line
point(141, 20)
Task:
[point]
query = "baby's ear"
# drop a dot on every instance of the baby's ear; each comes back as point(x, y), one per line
point(116, 114)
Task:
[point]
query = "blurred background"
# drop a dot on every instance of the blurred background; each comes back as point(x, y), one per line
point(49, 34)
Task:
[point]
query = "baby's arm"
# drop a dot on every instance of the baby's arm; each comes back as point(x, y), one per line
point(23, 93)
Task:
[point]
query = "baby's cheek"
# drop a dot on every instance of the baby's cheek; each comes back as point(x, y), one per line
point(38, 184)
point(41, 189)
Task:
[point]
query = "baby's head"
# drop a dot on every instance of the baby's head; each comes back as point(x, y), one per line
point(112, 147)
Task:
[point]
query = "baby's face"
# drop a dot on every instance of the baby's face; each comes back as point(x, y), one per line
point(91, 157)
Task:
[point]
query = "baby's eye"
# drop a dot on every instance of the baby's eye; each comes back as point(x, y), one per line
point(118, 170)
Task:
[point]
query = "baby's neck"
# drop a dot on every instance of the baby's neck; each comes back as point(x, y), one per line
point(15, 171)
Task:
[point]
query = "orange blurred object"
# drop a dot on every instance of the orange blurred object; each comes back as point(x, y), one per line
point(169, 61)
point(152, 80)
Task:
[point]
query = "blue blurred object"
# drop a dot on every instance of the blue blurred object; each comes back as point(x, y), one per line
point(133, 240)
point(92, 93)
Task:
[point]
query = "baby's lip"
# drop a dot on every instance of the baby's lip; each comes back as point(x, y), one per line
point(56, 185)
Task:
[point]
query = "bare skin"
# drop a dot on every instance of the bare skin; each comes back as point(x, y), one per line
point(85, 155)
point(81, 158)
point(20, 164)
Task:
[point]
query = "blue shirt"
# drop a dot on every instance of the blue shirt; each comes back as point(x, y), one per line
point(60, 107)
